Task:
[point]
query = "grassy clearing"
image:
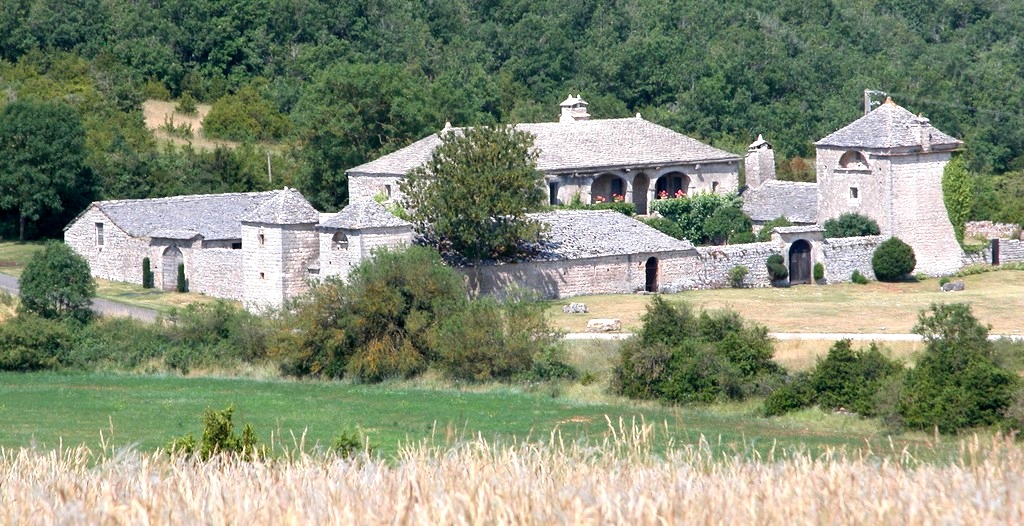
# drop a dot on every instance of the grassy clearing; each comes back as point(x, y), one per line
point(147, 411)
point(622, 479)
point(157, 112)
point(157, 300)
point(997, 298)
point(15, 254)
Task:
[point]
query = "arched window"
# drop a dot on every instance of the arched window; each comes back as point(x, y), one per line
point(339, 241)
point(853, 161)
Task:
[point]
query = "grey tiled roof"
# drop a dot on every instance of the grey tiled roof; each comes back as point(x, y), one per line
point(287, 207)
point(364, 214)
point(797, 201)
point(888, 126)
point(578, 234)
point(213, 216)
point(581, 145)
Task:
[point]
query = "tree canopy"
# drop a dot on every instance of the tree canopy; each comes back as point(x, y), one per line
point(471, 198)
point(57, 284)
point(42, 160)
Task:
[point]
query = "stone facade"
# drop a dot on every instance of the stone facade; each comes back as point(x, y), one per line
point(841, 256)
point(888, 166)
point(990, 230)
point(118, 257)
point(276, 262)
point(342, 249)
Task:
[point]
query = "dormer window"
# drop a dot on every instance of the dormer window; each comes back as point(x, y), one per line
point(853, 161)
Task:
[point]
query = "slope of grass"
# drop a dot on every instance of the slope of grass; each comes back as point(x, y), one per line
point(46, 409)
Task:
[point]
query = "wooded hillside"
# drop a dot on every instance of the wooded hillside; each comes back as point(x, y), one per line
point(334, 83)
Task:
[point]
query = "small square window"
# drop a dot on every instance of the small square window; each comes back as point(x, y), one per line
point(854, 193)
point(236, 246)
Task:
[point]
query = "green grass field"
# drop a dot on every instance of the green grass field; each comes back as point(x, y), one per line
point(43, 409)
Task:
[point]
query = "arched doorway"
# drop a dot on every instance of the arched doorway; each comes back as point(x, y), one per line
point(607, 188)
point(640, 185)
point(171, 259)
point(651, 283)
point(799, 262)
point(673, 184)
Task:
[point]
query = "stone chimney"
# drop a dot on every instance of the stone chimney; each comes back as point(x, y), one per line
point(574, 109)
point(759, 163)
point(921, 127)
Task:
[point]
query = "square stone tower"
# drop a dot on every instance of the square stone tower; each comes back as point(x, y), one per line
point(279, 243)
point(887, 165)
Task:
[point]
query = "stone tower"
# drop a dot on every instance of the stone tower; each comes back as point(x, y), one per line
point(573, 109)
point(888, 165)
point(759, 164)
point(279, 243)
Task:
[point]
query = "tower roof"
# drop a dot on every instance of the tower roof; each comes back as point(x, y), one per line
point(890, 126)
point(286, 207)
point(364, 214)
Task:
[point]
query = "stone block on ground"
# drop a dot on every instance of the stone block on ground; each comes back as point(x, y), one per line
point(953, 286)
point(575, 308)
point(604, 325)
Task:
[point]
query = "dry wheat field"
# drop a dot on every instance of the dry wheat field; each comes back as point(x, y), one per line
point(621, 481)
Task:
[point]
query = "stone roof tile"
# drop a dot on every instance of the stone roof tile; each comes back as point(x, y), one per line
point(286, 207)
point(364, 214)
point(888, 126)
point(213, 216)
point(579, 234)
point(576, 146)
point(798, 202)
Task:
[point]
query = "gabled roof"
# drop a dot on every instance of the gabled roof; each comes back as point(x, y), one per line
point(287, 207)
point(579, 234)
point(364, 214)
point(888, 126)
point(212, 216)
point(576, 146)
point(797, 201)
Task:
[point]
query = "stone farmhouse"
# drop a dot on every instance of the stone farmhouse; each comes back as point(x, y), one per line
point(597, 159)
point(264, 248)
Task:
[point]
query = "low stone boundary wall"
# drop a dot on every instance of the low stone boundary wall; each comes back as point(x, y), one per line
point(1010, 251)
point(712, 265)
point(990, 230)
point(841, 256)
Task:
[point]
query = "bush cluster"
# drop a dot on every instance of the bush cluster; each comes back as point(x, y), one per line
point(405, 311)
point(846, 378)
point(706, 218)
point(679, 356)
point(765, 234)
point(893, 260)
point(736, 276)
point(219, 438)
point(857, 278)
point(851, 225)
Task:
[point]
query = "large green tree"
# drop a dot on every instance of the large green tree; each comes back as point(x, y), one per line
point(42, 160)
point(57, 284)
point(471, 198)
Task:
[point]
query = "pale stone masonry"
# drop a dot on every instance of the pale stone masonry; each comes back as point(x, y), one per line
point(596, 159)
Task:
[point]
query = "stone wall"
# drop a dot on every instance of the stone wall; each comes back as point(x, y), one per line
point(599, 275)
point(275, 267)
point(835, 183)
point(216, 271)
point(365, 187)
point(919, 213)
point(990, 230)
point(1010, 251)
point(120, 256)
point(713, 264)
point(338, 260)
point(841, 256)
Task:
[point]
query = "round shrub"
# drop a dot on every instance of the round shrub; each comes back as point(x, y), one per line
point(893, 260)
point(858, 278)
point(776, 267)
point(736, 276)
point(819, 272)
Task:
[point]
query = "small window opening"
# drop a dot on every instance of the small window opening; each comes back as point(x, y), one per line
point(553, 193)
point(387, 191)
point(714, 186)
point(339, 241)
point(262, 239)
point(99, 234)
point(236, 246)
point(263, 276)
point(854, 193)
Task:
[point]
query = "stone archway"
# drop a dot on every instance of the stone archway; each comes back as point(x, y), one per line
point(672, 184)
point(640, 186)
point(169, 270)
point(651, 275)
point(606, 187)
point(800, 262)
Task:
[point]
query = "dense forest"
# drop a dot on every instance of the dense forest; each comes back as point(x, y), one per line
point(324, 85)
